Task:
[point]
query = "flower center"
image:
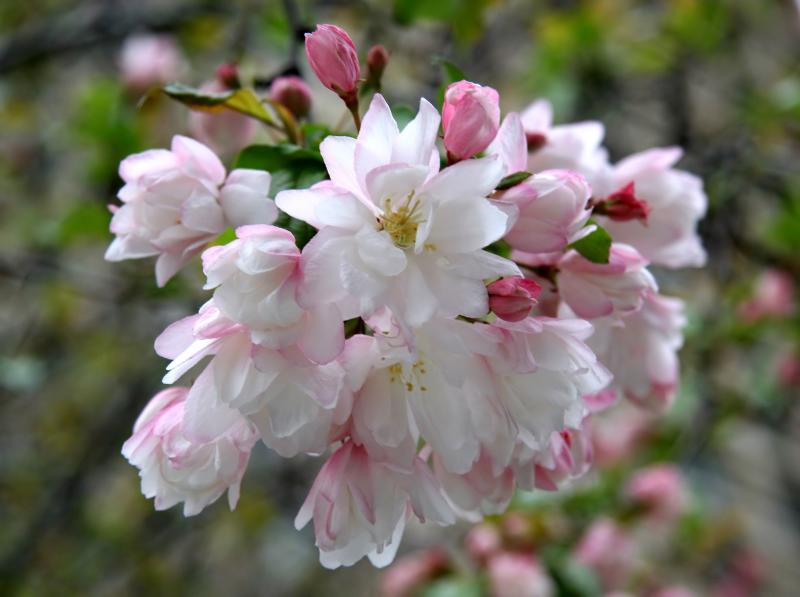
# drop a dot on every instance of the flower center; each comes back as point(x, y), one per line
point(410, 378)
point(402, 222)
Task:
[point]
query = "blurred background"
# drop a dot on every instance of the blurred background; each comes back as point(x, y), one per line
point(719, 77)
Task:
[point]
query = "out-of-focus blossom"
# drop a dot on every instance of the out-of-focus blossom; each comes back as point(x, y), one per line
point(149, 60)
point(674, 591)
point(745, 573)
point(482, 542)
point(293, 93)
point(411, 572)
point(603, 289)
point(470, 119)
point(377, 59)
point(512, 298)
point(574, 147)
point(193, 468)
point(360, 508)
point(789, 370)
point(227, 132)
point(517, 575)
point(569, 456)
point(608, 550)
point(773, 297)
point(617, 433)
point(641, 350)
point(332, 55)
point(676, 202)
point(552, 214)
point(660, 490)
point(393, 230)
point(176, 201)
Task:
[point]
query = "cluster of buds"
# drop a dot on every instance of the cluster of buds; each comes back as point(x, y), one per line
point(460, 374)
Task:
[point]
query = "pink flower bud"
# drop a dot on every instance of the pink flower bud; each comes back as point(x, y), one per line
point(332, 55)
point(660, 490)
point(513, 298)
point(409, 573)
point(228, 75)
point(773, 297)
point(482, 542)
point(293, 93)
point(377, 59)
point(608, 550)
point(518, 574)
point(470, 118)
point(149, 60)
point(623, 205)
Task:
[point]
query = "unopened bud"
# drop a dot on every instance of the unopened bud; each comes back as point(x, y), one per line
point(228, 75)
point(623, 205)
point(332, 55)
point(293, 93)
point(377, 59)
point(512, 299)
point(470, 118)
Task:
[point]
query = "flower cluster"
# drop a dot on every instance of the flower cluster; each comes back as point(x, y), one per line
point(444, 336)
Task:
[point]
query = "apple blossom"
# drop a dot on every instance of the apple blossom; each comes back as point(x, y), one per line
point(176, 201)
point(675, 202)
point(602, 289)
point(660, 490)
point(147, 60)
point(608, 550)
point(512, 298)
point(225, 131)
point(517, 575)
point(396, 232)
point(177, 465)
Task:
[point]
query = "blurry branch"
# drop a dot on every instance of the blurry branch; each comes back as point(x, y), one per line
point(89, 25)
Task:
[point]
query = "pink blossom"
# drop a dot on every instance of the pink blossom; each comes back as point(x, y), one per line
point(773, 297)
point(255, 280)
point(482, 542)
point(675, 199)
point(575, 147)
point(150, 60)
point(674, 591)
point(177, 465)
point(394, 231)
point(332, 55)
point(293, 93)
point(660, 490)
point(601, 289)
point(608, 550)
point(176, 201)
point(512, 298)
point(293, 402)
point(225, 131)
point(552, 212)
point(411, 572)
point(617, 433)
point(518, 575)
point(641, 350)
point(470, 119)
point(569, 456)
point(360, 508)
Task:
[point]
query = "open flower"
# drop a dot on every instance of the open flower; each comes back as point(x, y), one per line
point(396, 232)
point(196, 466)
point(176, 201)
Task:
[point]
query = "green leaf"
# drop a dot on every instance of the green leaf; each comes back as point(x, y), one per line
point(453, 587)
point(513, 180)
point(242, 100)
point(595, 246)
